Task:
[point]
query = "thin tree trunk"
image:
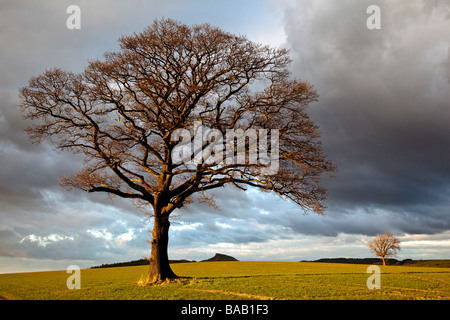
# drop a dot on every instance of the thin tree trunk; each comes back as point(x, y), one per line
point(159, 269)
point(384, 261)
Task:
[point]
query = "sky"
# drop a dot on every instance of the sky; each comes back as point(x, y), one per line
point(383, 111)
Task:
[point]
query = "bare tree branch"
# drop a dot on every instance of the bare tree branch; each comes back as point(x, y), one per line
point(123, 113)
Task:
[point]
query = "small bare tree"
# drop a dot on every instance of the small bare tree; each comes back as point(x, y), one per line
point(384, 246)
point(125, 114)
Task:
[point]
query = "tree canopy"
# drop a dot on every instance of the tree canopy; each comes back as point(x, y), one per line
point(384, 246)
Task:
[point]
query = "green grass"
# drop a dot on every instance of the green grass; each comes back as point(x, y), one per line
point(236, 280)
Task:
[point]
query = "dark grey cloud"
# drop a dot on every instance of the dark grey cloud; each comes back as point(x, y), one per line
point(383, 111)
point(383, 106)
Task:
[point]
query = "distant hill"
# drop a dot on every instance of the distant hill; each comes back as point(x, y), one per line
point(354, 260)
point(223, 257)
point(220, 257)
point(141, 262)
point(417, 263)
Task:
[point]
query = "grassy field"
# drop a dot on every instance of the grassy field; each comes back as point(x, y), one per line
point(237, 280)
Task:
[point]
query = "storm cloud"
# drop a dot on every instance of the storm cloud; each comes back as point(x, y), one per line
point(384, 102)
point(383, 111)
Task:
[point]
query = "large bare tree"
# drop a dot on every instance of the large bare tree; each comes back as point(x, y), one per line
point(129, 114)
point(384, 246)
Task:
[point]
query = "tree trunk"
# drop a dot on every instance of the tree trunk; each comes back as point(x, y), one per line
point(384, 261)
point(159, 269)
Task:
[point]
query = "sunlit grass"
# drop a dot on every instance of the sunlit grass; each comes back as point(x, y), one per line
point(236, 280)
